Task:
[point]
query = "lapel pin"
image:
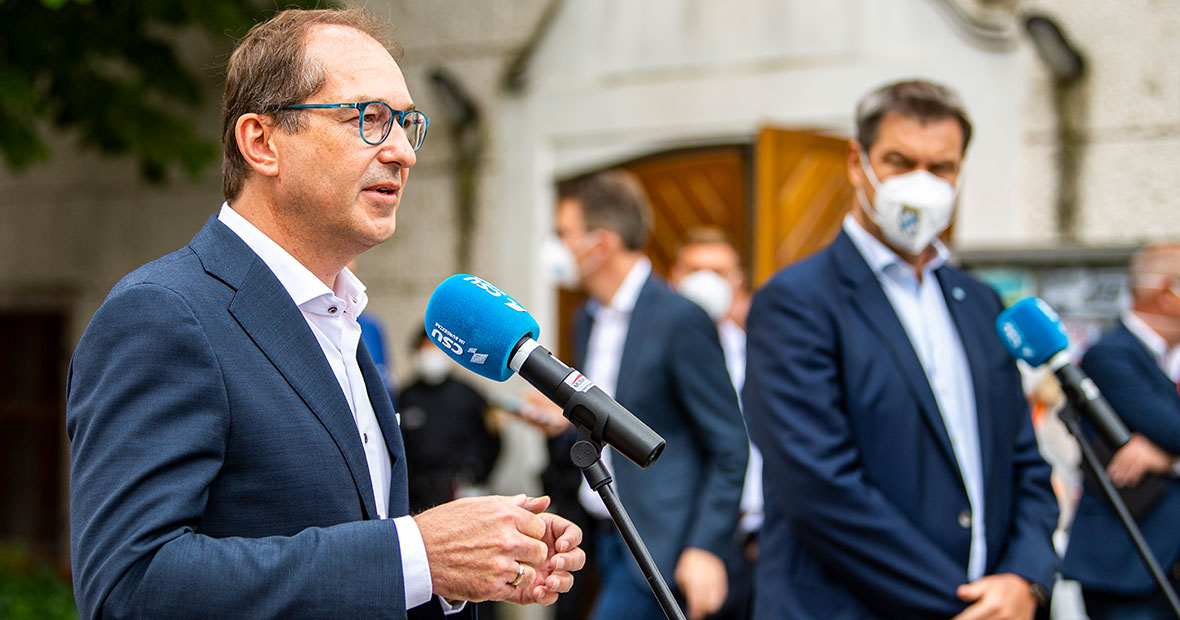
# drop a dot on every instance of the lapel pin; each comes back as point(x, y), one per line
point(958, 293)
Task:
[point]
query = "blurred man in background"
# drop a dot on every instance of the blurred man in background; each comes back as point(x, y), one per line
point(1136, 366)
point(450, 444)
point(902, 478)
point(658, 355)
point(708, 271)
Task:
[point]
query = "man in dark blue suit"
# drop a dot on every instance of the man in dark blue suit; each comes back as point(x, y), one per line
point(658, 354)
point(901, 475)
point(234, 451)
point(1136, 367)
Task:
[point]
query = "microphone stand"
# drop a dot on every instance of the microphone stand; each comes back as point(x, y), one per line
point(1094, 466)
point(586, 453)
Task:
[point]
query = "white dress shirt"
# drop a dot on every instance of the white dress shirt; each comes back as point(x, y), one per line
point(604, 353)
point(331, 315)
point(927, 321)
point(1167, 359)
point(733, 343)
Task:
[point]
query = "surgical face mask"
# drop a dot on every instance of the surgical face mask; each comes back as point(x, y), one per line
point(432, 366)
point(911, 209)
point(709, 290)
point(559, 263)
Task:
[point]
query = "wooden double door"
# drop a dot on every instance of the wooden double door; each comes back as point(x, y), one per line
point(778, 200)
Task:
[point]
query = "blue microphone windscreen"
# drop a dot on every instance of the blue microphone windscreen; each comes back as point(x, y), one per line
point(1031, 331)
point(477, 324)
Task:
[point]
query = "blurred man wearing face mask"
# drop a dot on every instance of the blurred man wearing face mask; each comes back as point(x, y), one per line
point(450, 445)
point(659, 356)
point(902, 478)
point(1136, 366)
point(708, 271)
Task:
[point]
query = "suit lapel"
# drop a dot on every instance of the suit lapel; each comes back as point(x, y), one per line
point(636, 328)
point(266, 313)
point(1124, 337)
point(975, 344)
point(582, 325)
point(867, 298)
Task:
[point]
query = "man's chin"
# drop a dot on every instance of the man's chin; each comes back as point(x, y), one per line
point(379, 227)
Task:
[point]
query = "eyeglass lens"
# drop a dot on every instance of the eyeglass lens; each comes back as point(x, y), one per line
point(377, 121)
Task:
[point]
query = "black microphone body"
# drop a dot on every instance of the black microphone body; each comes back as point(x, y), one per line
point(585, 404)
point(1084, 395)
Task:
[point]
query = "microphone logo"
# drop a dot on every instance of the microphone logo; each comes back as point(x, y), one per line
point(1016, 340)
point(485, 285)
point(494, 292)
point(448, 341)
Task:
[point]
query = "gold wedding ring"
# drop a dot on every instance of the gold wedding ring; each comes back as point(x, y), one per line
point(519, 575)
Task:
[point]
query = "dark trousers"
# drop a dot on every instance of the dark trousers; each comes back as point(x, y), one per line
point(739, 599)
point(1152, 606)
point(621, 595)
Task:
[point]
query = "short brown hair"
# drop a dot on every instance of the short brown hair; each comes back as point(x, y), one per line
point(269, 69)
point(917, 99)
point(707, 235)
point(612, 200)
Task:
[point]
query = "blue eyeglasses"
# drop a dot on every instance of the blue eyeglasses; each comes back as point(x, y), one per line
point(376, 120)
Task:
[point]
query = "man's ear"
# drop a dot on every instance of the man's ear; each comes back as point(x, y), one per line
point(611, 240)
point(255, 136)
point(1167, 299)
point(856, 172)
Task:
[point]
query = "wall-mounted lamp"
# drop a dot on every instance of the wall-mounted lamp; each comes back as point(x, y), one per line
point(1062, 58)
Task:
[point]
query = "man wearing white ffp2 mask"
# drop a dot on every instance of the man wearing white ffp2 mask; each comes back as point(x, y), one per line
point(910, 209)
point(906, 180)
point(902, 478)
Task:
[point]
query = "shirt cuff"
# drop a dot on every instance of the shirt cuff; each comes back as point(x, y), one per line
point(448, 608)
point(415, 567)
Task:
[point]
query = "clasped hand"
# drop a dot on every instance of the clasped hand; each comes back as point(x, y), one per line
point(477, 546)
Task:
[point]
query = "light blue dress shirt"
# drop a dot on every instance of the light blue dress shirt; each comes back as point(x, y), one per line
point(923, 313)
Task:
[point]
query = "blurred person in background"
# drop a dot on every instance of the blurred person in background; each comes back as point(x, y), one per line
point(658, 355)
point(450, 436)
point(901, 473)
point(708, 271)
point(1136, 367)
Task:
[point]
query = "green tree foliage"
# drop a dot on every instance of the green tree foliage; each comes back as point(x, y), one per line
point(111, 72)
point(29, 590)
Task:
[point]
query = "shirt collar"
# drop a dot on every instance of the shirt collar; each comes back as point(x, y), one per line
point(628, 294)
point(880, 257)
point(1145, 334)
point(298, 280)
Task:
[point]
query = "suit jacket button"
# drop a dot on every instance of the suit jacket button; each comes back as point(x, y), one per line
point(965, 519)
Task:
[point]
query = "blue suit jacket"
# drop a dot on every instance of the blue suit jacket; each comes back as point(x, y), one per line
point(217, 471)
point(866, 512)
point(1100, 553)
point(672, 376)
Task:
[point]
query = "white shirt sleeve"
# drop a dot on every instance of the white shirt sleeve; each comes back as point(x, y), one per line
point(416, 567)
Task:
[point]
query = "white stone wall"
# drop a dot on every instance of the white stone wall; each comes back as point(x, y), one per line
point(1128, 184)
